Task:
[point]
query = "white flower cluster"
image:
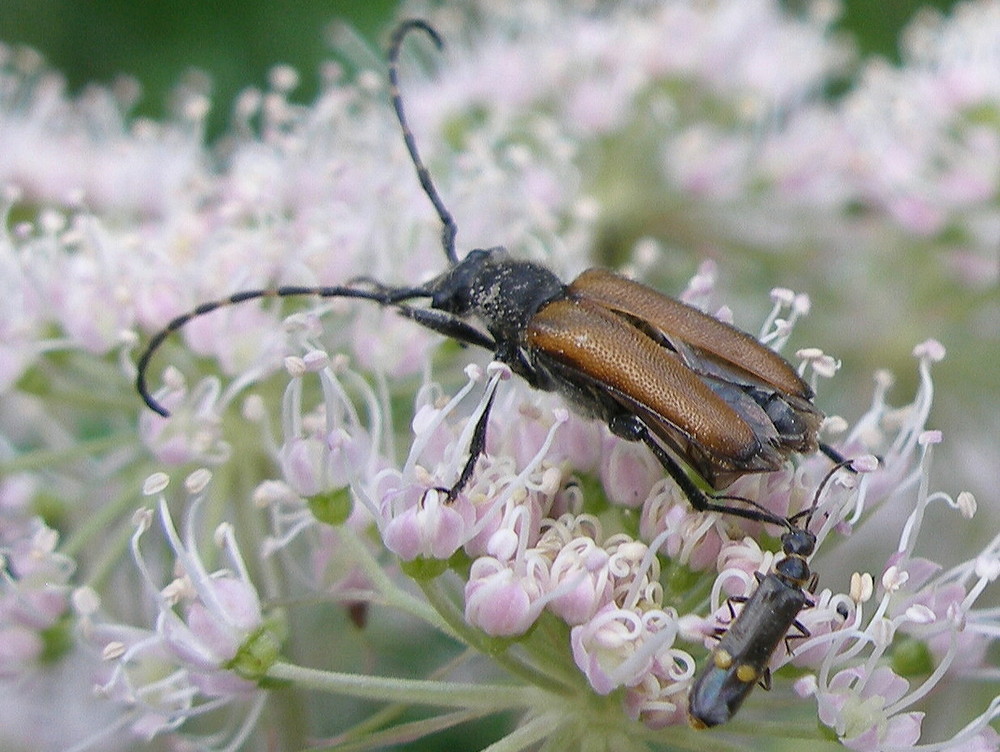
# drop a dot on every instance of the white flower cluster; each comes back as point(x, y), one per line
point(558, 129)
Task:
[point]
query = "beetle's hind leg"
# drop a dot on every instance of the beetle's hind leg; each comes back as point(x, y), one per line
point(632, 428)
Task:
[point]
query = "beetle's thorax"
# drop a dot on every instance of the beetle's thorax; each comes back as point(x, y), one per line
point(502, 292)
point(798, 545)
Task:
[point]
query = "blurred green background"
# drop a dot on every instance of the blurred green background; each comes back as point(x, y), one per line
point(237, 41)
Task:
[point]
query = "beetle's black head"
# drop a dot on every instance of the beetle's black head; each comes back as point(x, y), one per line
point(452, 291)
point(502, 292)
point(798, 542)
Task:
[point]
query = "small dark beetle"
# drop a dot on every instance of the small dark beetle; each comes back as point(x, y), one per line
point(739, 660)
point(654, 369)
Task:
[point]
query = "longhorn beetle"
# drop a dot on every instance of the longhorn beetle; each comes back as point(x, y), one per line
point(739, 660)
point(652, 368)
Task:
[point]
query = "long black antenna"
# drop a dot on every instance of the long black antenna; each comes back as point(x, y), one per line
point(381, 294)
point(449, 229)
point(808, 513)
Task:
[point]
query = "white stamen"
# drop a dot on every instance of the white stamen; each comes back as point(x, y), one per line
point(198, 480)
point(155, 483)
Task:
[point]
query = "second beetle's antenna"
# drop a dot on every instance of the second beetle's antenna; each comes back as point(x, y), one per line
point(808, 513)
point(449, 230)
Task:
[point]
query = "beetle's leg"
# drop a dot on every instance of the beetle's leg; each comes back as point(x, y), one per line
point(735, 599)
point(718, 632)
point(803, 634)
point(740, 598)
point(447, 324)
point(476, 448)
point(765, 679)
point(456, 328)
point(514, 356)
point(632, 428)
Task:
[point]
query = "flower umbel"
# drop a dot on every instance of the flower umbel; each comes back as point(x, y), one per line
point(210, 646)
point(332, 538)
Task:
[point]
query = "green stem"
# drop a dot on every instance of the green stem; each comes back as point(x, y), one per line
point(488, 645)
point(42, 459)
point(524, 736)
point(392, 736)
point(394, 596)
point(548, 646)
point(391, 713)
point(414, 691)
point(96, 525)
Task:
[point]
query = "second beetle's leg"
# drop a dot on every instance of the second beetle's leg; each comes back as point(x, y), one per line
point(803, 634)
